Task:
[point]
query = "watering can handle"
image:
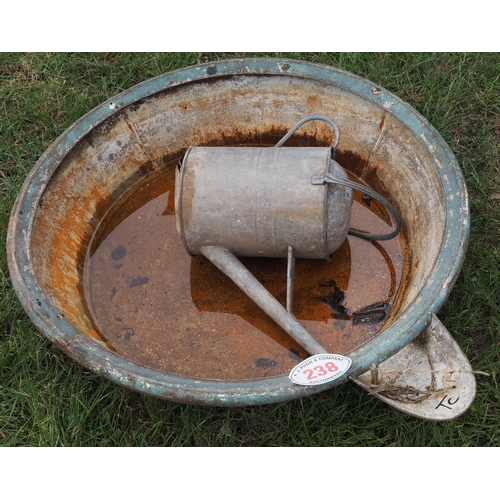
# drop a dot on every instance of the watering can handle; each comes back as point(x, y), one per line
point(308, 119)
point(330, 179)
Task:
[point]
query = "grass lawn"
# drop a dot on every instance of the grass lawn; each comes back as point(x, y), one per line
point(47, 399)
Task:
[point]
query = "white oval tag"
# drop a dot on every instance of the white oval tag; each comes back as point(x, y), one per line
point(320, 369)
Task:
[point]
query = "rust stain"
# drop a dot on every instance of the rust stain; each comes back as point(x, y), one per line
point(190, 319)
point(382, 122)
point(352, 162)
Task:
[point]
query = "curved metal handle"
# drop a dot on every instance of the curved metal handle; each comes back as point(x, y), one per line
point(330, 179)
point(378, 197)
point(308, 119)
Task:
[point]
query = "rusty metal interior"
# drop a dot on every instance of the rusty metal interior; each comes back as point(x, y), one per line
point(132, 156)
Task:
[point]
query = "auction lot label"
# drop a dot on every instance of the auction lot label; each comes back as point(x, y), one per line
point(320, 369)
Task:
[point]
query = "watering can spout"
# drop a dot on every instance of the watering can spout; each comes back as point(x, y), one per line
point(230, 265)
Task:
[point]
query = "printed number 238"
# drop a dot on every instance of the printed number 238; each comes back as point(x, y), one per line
point(321, 371)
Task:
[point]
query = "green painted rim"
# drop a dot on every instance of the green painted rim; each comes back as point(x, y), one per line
point(99, 359)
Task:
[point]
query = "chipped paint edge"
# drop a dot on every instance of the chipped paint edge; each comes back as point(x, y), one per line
point(95, 356)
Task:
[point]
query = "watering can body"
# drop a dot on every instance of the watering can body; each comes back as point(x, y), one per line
point(261, 201)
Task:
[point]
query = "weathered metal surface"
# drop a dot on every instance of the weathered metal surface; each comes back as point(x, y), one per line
point(165, 310)
point(264, 202)
point(258, 201)
point(332, 179)
point(429, 378)
point(239, 274)
point(384, 142)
